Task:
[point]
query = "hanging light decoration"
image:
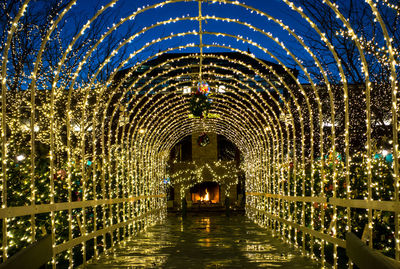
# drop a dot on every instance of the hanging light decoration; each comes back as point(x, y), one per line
point(200, 104)
point(203, 88)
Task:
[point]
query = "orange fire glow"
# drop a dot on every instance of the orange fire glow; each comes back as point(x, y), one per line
point(211, 196)
point(206, 197)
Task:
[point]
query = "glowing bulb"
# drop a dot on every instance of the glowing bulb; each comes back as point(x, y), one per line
point(20, 157)
point(222, 89)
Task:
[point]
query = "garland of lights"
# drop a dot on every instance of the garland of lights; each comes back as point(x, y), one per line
point(192, 176)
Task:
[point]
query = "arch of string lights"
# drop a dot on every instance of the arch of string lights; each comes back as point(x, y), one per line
point(115, 158)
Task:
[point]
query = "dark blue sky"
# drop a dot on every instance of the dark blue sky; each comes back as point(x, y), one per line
point(86, 8)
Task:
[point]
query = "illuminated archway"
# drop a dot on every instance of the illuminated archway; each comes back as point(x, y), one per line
point(86, 166)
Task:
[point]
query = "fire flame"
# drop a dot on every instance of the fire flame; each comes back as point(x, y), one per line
point(206, 197)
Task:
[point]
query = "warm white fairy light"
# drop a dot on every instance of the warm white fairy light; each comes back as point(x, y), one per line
point(20, 158)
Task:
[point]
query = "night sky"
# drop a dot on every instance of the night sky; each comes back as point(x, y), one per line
point(85, 9)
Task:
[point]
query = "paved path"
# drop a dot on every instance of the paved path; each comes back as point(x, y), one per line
point(205, 241)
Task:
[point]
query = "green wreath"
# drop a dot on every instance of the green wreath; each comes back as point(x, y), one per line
point(199, 105)
point(203, 140)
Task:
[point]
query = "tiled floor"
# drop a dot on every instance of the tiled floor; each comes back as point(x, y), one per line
point(205, 241)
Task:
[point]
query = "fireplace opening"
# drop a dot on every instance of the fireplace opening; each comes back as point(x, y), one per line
point(205, 192)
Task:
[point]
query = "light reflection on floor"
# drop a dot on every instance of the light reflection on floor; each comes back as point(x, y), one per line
point(205, 241)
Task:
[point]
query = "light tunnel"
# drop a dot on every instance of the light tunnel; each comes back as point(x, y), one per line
point(84, 164)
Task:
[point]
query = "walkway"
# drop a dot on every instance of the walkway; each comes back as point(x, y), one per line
point(205, 241)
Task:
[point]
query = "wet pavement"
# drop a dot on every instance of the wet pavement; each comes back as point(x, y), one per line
point(205, 240)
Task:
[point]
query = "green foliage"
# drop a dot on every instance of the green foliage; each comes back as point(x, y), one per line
point(199, 105)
